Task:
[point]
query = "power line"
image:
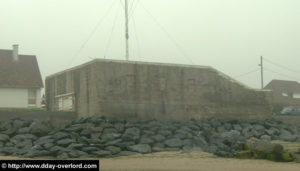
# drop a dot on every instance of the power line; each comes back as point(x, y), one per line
point(281, 74)
point(247, 73)
point(112, 30)
point(136, 38)
point(131, 5)
point(168, 35)
point(122, 4)
point(281, 66)
point(92, 33)
point(133, 10)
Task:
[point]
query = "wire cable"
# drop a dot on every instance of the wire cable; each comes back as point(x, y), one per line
point(281, 74)
point(133, 10)
point(111, 32)
point(281, 66)
point(136, 38)
point(247, 73)
point(122, 4)
point(130, 5)
point(91, 34)
point(168, 35)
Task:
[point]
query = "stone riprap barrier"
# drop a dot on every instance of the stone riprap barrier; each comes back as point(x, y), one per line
point(99, 137)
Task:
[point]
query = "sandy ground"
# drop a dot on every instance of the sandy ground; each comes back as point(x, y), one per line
point(175, 161)
point(191, 161)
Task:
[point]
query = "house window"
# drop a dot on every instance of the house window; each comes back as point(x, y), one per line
point(31, 96)
point(191, 85)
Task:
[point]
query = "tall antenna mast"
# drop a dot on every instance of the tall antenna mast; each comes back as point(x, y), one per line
point(126, 30)
point(262, 72)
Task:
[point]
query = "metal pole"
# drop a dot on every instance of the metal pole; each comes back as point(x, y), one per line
point(262, 72)
point(126, 30)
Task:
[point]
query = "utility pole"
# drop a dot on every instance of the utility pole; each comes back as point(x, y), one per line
point(126, 30)
point(262, 72)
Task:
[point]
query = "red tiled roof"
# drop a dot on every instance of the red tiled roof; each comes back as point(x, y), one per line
point(23, 73)
point(284, 86)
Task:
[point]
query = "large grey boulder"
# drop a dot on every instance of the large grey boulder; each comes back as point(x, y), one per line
point(165, 132)
point(90, 149)
point(132, 133)
point(148, 132)
point(19, 123)
point(188, 142)
point(9, 150)
point(145, 140)
point(17, 139)
point(27, 143)
point(4, 137)
point(174, 142)
point(228, 126)
point(126, 153)
point(60, 135)
point(44, 140)
point(102, 153)
point(115, 142)
point(140, 148)
point(39, 129)
point(110, 130)
point(221, 129)
point(63, 155)
point(233, 134)
point(119, 126)
point(199, 141)
point(286, 135)
point(95, 135)
point(237, 127)
point(113, 149)
point(24, 130)
point(76, 146)
point(38, 153)
point(48, 145)
point(76, 153)
point(110, 136)
point(65, 142)
point(272, 131)
point(126, 144)
point(160, 145)
point(158, 138)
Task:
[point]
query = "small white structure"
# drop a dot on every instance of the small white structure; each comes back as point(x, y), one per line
point(20, 80)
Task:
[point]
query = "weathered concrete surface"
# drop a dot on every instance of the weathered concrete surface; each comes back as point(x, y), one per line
point(150, 90)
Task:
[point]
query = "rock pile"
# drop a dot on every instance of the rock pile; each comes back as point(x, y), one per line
point(99, 137)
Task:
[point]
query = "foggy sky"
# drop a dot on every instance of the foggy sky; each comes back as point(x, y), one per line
point(229, 35)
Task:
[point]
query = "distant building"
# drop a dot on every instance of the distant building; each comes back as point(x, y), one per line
point(20, 80)
point(127, 89)
point(285, 92)
point(284, 88)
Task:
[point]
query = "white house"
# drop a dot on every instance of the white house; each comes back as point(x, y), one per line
point(20, 80)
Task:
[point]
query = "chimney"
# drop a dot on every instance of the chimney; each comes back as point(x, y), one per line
point(15, 53)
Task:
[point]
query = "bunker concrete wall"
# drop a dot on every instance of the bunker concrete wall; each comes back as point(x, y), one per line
point(146, 90)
